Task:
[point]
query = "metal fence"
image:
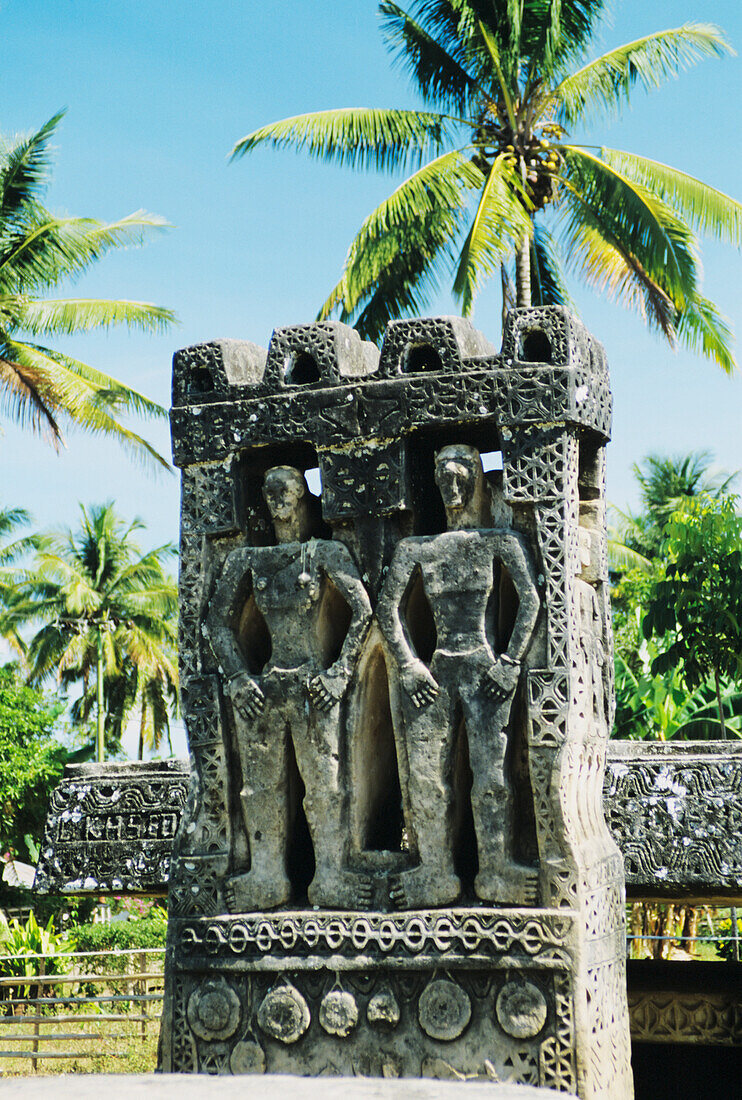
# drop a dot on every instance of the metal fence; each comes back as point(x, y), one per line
point(104, 1006)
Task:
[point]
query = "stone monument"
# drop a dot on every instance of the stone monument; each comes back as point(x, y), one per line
point(396, 679)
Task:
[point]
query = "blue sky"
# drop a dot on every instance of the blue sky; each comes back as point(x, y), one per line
point(158, 92)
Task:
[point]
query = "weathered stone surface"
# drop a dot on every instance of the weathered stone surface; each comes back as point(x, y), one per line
point(675, 811)
point(110, 828)
point(132, 1087)
point(671, 1002)
point(393, 859)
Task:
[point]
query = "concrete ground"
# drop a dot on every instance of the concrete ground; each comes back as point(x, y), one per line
point(186, 1087)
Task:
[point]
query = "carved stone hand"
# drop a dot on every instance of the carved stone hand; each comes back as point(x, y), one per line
point(246, 696)
point(501, 678)
point(419, 684)
point(327, 688)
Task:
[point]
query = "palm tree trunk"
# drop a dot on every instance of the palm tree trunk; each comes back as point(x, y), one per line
point(101, 738)
point(523, 274)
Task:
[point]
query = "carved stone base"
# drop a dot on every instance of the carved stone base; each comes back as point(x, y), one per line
point(457, 994)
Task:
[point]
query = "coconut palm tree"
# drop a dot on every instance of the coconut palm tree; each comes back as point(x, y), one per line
point(496, 183)
point(109, 623)
point(42, 386)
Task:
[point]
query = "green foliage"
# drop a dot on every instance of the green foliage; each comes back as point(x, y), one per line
point(36, 950)
point(686, 539)
point(150, 931)
point(661, 706)
point(697, 606)
point(725, 945)
point(508, 79)
point(38, 251)
point(31, 760)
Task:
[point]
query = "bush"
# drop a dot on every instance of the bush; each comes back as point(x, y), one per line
point(128, 935)
point(30, 940)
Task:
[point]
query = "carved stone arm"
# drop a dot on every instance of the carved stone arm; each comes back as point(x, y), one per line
point(340, 569)
point(388, 608)
point(416, 679)
point(236, 576)
point(512, 552)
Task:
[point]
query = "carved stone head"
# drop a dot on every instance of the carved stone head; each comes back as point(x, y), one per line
point(285, 491)
point(460, 480)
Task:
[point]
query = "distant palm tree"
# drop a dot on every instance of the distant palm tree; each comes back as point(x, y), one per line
point(11, 520)
point(109, 614)
point(38, 250)
point(665, 484)
point(509, 78)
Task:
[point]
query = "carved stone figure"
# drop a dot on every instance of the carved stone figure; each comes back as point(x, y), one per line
point(470, 672)
point(316, 610)
point(470, 717)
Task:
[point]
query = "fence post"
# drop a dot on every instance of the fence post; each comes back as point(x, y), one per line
point(143, 962)
point(37, 1018)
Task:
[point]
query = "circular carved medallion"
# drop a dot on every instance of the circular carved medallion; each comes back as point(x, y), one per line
point(338, 1012)
point(444, 1010)
point(383, 1009)
point(284, 1014)
point(521, 1009)
point(213, 1010)
point(247, 1057)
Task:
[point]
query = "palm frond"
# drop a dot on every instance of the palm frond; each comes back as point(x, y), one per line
point(41, 249)
point(605, 83)
point(52, 316)
point(701, 327)
point(634, 219)
point(408, 262)
point(602, 261)
point(358, 137)
point(704, 208)
point(84, 403)
point(439, 75)
point(23, 396)
point(24, 168)
point(392, 242)
point(500, 223)
point(548, 287)
point(621, 557)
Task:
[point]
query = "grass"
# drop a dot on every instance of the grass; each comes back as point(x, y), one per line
point(118, 1046)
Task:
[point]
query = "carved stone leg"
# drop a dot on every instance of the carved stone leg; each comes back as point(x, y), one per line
point(316, 737)
point(428, 735)
point(501, 879)
point(264, 798)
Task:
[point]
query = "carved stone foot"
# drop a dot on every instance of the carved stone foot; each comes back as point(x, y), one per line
point(512, 885)
point(420, 888)
point(341, 890)
point(246, 892)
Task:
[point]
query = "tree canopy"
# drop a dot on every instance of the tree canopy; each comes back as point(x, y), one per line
point(31, 761)
point(109, 620)
point(496, 183)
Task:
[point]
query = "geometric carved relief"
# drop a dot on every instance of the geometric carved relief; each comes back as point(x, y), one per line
point(393, 860)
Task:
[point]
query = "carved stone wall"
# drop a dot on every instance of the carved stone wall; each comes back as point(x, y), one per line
point(675, 811)
point(110, 829)
point(398, 698)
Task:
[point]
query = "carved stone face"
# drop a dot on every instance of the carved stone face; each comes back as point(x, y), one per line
point(455, 476)
point(283, 489)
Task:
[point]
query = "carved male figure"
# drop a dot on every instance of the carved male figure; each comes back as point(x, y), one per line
point(314, 641)
point(466, 676)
